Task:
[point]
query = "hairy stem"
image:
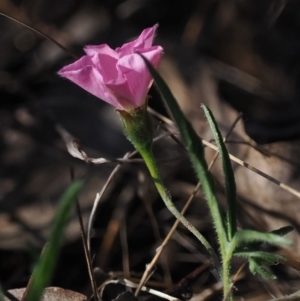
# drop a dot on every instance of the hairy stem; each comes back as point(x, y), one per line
point(150, 162)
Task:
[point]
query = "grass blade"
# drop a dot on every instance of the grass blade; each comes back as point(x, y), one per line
point(1, 294)
point(44, 269)
point(227, 171)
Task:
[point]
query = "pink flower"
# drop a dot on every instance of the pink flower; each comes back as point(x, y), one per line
point(119, 77)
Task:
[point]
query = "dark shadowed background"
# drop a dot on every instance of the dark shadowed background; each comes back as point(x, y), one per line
point(233, 55)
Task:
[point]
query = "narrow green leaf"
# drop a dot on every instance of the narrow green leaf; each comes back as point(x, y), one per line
point(253, 246)
point(264, 257)
point(44, 269)
point(227, 171)
point(283, 231)
point(250, 236)
point(195, 151)
point(1, 294)
point(257, 268)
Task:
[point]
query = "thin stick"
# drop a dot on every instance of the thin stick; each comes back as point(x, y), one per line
point(151, 265)
point(70, 53)
point(235, 159)
point(129, 283)
point(98, 198)
point(191, 277)
point(239, 271)
point(147, 202)
point(294, 296)
point(86, 253)
point(261, 173)
point(125, 253)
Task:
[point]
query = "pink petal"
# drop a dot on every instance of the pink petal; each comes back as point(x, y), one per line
point(148, 36)
point(119, 77)
point(84, 61)
point(136, 73)
point(104, 59)
point(83, 74)
point(103, 49)
point(145, 40)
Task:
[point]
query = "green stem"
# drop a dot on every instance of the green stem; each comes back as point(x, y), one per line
point(150, 162)
point(138, 129)
point(226, 264)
